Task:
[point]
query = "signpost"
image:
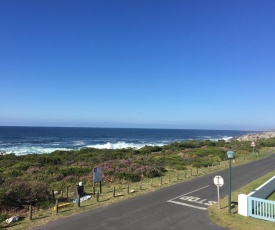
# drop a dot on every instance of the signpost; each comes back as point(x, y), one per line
point(218, 181)
point(97, 177)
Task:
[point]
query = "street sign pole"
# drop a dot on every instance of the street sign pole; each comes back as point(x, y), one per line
point(229, 191)
point(218, 181)
point(218, 188)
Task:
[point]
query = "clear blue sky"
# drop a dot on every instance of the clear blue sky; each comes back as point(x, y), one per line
point(206, 64)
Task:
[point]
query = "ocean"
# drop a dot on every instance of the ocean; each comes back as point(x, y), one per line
point(30, 140)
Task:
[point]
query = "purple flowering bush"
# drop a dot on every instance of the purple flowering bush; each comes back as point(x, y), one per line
point(128, 170)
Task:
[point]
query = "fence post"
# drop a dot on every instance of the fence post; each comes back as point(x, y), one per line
point(169, 178)
point(177, 176)
point(114, 191)
point(78, 200)
point(53, 193)
point(128, 188)
point(56, 205)
point(161, 180)
point(67, 192)
point(140, 185)
point(94, 191)
point(197, 171)
point(185, 173)
point(97, 196)
point(30, 212)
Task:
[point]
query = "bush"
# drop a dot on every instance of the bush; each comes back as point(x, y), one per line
point(17, 193)
point(22, 166)
point(3, 216)
point(14, 173)
point(74, 171)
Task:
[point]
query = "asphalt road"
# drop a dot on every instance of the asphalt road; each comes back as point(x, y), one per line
point(181, 206)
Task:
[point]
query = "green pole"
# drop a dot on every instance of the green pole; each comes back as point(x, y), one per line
point(229, 191)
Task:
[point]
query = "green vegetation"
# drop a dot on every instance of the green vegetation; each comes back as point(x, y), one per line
point(30, 179)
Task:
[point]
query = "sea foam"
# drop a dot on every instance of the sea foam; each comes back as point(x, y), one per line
point(122, 145)
point(30, 150)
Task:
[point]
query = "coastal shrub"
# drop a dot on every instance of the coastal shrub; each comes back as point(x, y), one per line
point(74, 171)
point(154, 172)
point(58, 186)
point(17, 193)
point(170, 160)
point(180, 167)
point(3, 215)
point(202, 152)
point(267, 142)
point(220, 143)
point(241, 152)
point(34, 170)
point(22, 166)
point(150, 149)
point(186, 144)
point(199, 163)
point(44, 204)
point(128, 169)
point(70, 179)
point(209, 143)
point(14, 173)
point(128, 176)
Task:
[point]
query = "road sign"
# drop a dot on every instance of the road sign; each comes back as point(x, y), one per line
point(97, 176)
point(218, 181)
point(253, 144)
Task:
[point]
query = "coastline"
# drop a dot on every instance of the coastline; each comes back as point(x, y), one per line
point(256, 136)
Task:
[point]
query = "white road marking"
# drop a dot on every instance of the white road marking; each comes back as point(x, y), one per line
point(190, 205)
point(189, 192)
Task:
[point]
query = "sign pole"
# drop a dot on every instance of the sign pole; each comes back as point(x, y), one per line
point(97, 177)
point(218, 190)
point(218, 181)
point(229, 191)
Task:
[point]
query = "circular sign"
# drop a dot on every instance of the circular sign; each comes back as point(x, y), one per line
point(218, 180)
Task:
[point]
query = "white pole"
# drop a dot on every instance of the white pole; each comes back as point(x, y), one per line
point(218, 189)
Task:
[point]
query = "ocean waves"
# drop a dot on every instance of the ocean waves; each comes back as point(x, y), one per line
point(41, 149)
point(123, 145)
point(39, 140)
point(23, 150)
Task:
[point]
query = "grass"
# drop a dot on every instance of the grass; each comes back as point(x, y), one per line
point(272, 197)
point(43, 216)
point(234, 220)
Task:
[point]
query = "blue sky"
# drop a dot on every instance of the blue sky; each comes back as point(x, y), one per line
point(206, 64)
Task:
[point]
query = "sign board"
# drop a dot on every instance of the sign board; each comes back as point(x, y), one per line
point(253, 144)
point(97, 175)
point(218, 181)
